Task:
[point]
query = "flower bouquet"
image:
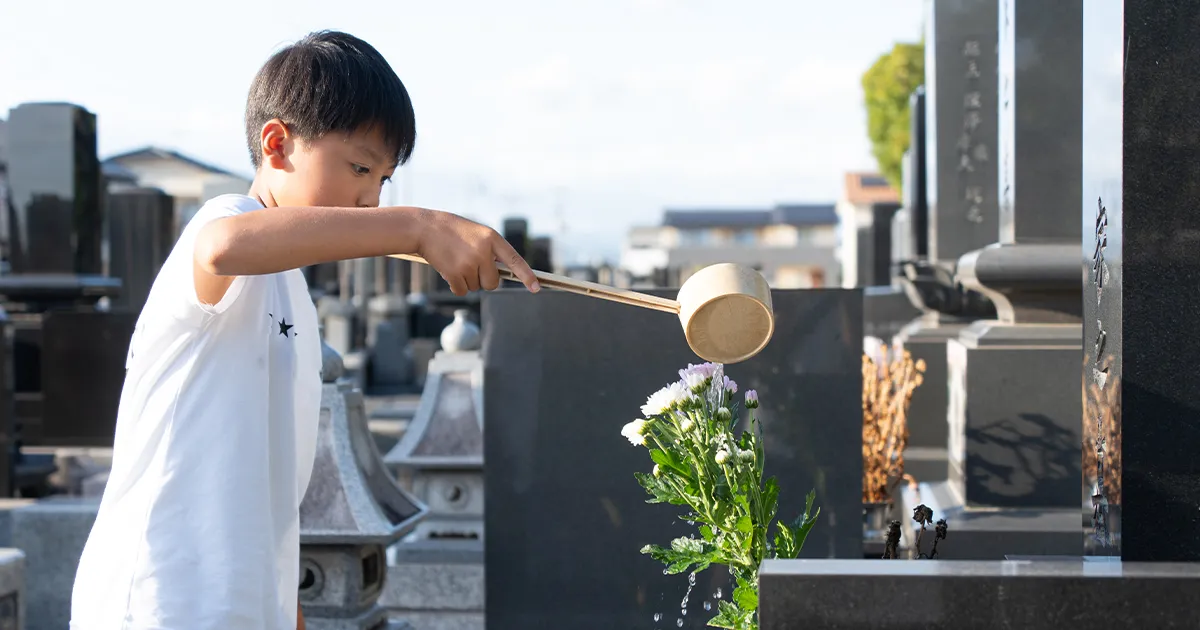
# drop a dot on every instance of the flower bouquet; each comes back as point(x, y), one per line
point(702, 462)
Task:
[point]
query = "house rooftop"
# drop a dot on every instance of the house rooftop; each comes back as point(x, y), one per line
point(799, 215)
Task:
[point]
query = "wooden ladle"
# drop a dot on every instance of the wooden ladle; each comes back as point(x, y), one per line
point(725, 309)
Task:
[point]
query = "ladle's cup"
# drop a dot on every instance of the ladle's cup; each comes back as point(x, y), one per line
point(725, 309)
point(726, 313)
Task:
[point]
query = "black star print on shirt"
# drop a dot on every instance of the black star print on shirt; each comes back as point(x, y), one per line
point(284, 327)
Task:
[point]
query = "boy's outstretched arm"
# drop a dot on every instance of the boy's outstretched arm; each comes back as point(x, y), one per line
point(272, 240)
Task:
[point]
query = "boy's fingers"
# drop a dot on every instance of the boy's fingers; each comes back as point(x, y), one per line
point(489, 277)
point(521, 269)
point(457, 285)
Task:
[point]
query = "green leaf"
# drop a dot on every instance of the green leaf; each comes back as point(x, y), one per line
point(731, 617)
point(744, 524)
point(658, 491)
point(667, 460)
point(707, 532)
point(728, 616)
point(684, 553)
point(803, 525)
point(770, 499)
point(785, 542)
point(746, 597)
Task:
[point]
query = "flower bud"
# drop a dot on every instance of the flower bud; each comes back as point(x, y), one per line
point(746, 456)
point(657, 471)
point(635, 432)
point(722, 456)
point(751, 399)
point(724, 416)
point(687, 425)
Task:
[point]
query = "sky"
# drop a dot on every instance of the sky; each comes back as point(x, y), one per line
point(585, 116)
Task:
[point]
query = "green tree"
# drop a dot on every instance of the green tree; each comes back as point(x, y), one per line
point(887, 86)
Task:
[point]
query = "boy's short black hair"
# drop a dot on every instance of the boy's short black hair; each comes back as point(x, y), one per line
point(330, 82)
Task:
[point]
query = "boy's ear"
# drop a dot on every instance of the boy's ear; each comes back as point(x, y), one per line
point(275, 144)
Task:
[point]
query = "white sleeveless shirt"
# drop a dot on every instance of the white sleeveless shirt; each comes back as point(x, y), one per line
point(198, 528)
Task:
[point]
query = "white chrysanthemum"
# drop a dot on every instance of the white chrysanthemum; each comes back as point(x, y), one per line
point(693, 381)
point(635, 432)
point(722, 456)
point(687, 425)
point(663, 400)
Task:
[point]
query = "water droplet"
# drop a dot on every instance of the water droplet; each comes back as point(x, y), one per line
point(692, 523)
point(718, 593)
point(679, 622)
point(692, 580)
point(665, 572)
point(657, 617)
point(707, 606)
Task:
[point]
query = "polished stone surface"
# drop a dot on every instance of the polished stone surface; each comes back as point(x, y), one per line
point(999, 595)
point(54, 176)
point(1014, 433)
point(961, 113)
point(1041, 100)
point(1141, 180)
point(565, 517)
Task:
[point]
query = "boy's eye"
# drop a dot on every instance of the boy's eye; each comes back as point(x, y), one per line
point(360, 169)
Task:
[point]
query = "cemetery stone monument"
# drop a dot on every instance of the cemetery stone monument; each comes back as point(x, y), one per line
point(958, 139)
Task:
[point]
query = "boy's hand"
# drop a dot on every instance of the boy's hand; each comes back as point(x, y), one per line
point(465, 253)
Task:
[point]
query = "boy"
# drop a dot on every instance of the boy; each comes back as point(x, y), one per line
point(199, 525)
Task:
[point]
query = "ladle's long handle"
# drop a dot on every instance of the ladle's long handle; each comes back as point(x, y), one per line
point(581, 287)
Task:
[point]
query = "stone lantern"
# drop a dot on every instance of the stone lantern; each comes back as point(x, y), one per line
point(441, 454)
point(351, 512)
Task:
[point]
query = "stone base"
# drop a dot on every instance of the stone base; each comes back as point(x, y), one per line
point(925, 338)
point(51, 533)
point(436, 585)
point(1000, 595)
point(991, 533)
point(1014, 415)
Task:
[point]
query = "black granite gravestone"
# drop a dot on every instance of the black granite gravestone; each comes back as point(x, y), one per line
point(1141, 180)
point(1013, 470)
point(564, 516)
point(1015, 424)
point(961, 114)
point(54, 175)
point(960, 109)
point(140, 236)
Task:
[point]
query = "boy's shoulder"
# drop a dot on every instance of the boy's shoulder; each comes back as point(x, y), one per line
point(227, 205)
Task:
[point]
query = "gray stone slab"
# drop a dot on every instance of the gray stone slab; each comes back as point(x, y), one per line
point(7, 507)
point(52, 535)
point(1014, 415)
point(565, 517)
point(454, 586)
point(1002, 595)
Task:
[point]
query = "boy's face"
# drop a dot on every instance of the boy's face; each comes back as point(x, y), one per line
point(345, 170)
